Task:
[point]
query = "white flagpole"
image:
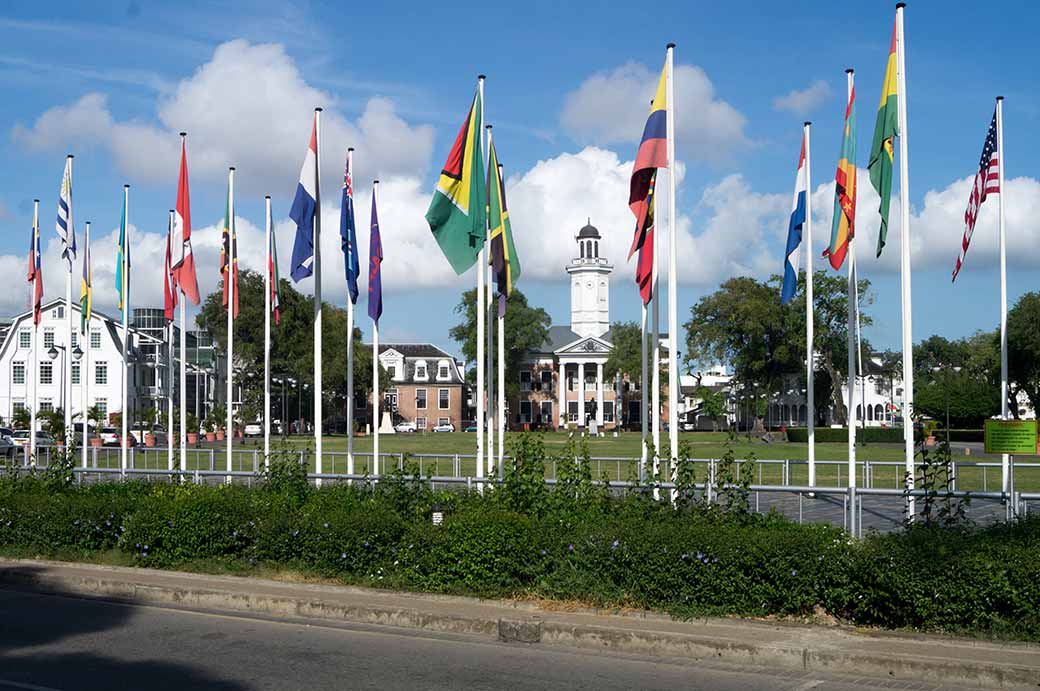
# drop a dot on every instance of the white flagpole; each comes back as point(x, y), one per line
point(126, 335)
point(376, 408)
point(655, 350)
point(350, 346)
point(183, 367)
point(1005, 460)
point(502, 385)
point(643, 390)
point(674, 394)
point(488, 302)
point(810, 414)
point(267, 332)
point(904, 258)
point(67, 373)
point(169, 364)
point(84, 373)
point(34, 402)
point(317, 294)
point(229, 433)
point(851, 341)
point(481, 308)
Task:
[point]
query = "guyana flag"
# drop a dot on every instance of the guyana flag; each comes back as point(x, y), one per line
point(458, 211)
point(881, 153)
point(843, 227)
point(504, 261)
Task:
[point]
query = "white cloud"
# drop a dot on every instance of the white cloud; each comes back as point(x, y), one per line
point(802, 101)
point(250, 107)
point(611, 108)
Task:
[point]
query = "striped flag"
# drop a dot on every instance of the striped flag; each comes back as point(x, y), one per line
point(272, 272)
point(645, 261)
point(184, 266)
point(169, 277)
point(794, 231)
point(652, 154)
point(504, 261)
point(64, 224)
point(35, 274)
point(987, 181)
point(304, 208)
point(229, 252)
point(86, 286)
point(843, 227)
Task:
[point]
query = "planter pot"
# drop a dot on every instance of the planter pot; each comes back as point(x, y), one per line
point(193, 438)
point(211, 436)
point(149, 440)
point(220, 435)
point(238, 434)
point(930, 441)
point(96, 442)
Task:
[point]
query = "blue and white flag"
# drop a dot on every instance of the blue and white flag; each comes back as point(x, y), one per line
point(794, 231)
point(304, 208)
point(64, 224)
point(348, 233)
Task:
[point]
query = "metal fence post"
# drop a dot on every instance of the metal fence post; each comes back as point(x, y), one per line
point(850, 504)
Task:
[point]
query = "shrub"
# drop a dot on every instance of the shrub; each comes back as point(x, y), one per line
point(888, 435)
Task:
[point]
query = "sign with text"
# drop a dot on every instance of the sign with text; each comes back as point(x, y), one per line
point(1011, 436)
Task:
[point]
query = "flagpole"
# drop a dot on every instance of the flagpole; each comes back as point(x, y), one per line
point(643, 411)
point(810, 394)
point(67, 373)
point(229, 433)
point(267, 332)
point(317, 295)
point(126, 332)
point(904, 260)
point(84, 375)
point(502, 377)
point(655, 360)
point(481, 307)
point(350, 345)
point(169, 357)
point(674, 394)
point(375, 374)
point(34, 403)
point(1005, 461)
point(184, 361)
point(851, 340)
point(488, 301)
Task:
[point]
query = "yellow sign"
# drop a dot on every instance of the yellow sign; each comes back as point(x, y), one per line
point(1011, 436)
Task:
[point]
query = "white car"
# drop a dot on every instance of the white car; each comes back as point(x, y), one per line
point(253, 429)
point(444, 428)
point(405, 427)
point(109, 436)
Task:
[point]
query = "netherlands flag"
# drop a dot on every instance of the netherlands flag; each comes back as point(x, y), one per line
point(304, 207)
point(794, 231)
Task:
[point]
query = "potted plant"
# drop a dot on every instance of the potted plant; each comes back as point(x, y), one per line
point(22, 418)
point(149, 436)
point(219, 415)
point(193, 429)
point(94, 415)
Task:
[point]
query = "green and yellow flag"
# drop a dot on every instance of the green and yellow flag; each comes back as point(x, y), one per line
point(881, 151)
point(458, 211)
point(504, 261)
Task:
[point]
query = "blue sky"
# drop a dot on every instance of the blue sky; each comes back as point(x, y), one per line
point(567, 92)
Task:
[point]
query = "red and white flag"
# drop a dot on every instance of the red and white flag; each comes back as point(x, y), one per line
point(184, 267)
point(170, 276)
point(987, 181)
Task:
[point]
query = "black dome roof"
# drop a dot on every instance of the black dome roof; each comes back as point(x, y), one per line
point(589, 232)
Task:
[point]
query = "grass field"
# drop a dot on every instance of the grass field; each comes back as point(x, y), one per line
point(435, 453)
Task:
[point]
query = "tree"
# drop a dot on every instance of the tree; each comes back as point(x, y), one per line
point(526, 329)
point(970, 367)
point(1023, 331)
point(22, 418)
point(626, 356)
point(713, 404)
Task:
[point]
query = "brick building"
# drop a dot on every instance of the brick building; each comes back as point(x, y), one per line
point(426, 386)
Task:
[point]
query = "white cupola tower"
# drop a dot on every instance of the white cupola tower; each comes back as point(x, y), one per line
point(590, 285)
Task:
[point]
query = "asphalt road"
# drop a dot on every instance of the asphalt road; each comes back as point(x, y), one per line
point(51, 642)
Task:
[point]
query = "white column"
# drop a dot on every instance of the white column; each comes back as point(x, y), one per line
point(904, 257)
point(599, 395)
point(1005, 459)
point(561, 383)
point(581, 395)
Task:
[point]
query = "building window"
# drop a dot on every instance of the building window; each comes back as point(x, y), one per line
point(572, 411)
point(102, 405)
point(60, 312)
point(590, 380)
point(24, 339)
point(420, 371)
point(546, 375)
point(420, 423)
point(443, 399)
point(101, 372)
point(48, 339)
point(390, 399)
point(46, 405)
point(443, 373)
point(608, 411)
point(18, 373)
point(420, 399)
point(46, 373)
point(525, 380)
point(441, 421)
point(525, 411)
point(75, 338)
point(570, 381)
point(95, 338)
point(545, 413)
point(75, 373)
point(391, 371)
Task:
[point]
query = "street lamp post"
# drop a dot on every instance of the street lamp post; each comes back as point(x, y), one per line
point(76, 355)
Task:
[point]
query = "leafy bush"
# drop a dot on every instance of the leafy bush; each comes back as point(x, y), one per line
point(890, 435)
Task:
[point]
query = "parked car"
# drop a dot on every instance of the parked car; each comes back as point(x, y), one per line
point(7, 446)
point(405, 427)
point(253, 429)
point(21, 438)
point(471, 427)
point(444, 428)
point(109, 436)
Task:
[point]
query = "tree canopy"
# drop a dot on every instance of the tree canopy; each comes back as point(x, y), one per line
point(1023, 329)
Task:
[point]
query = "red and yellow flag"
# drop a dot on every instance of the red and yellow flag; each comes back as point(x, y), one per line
point(843, 227)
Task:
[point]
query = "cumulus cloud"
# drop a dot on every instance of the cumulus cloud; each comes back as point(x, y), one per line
point(250, 107)
point(803, 101)
point(611, 108)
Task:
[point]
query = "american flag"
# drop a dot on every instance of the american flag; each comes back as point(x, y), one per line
point(987, 180)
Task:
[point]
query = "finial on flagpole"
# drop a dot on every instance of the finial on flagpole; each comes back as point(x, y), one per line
point(900, 5)
point(850, 71)
point(231, 167)
point(807, 123)
point(481, 76)
point(126, 187)
point(70, 156)
point(184, 134)
point(670, 45)
point(267, 196)
point(171, 211)
point(375, 182)
point(487, 127)
point(318, 109)
point(1000, 98)
point(36, 201)
point(350, 148)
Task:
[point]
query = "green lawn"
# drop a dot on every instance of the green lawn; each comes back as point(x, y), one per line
point(435, 454)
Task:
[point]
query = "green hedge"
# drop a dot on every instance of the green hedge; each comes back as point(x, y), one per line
point(607, 551)
point(891, 435)
point(976, 435)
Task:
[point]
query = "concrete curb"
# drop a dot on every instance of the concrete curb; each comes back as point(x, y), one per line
point(804, 648)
